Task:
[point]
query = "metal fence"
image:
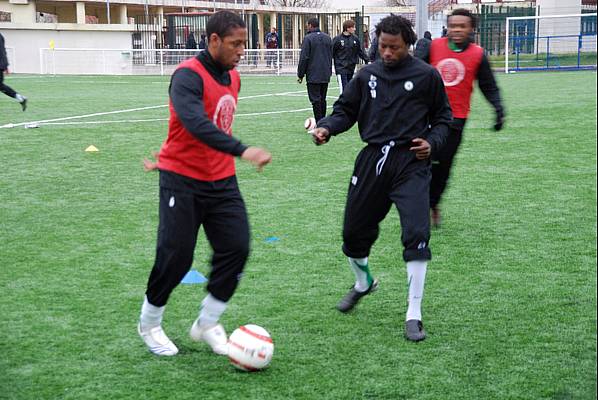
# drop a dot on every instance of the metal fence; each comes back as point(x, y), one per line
point(63, 61)
point(551, 42)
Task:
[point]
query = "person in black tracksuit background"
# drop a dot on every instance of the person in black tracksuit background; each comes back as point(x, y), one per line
point(403, 114)
point(422, 46)
point(315, 64)
point(7, 90)
point(346, 52)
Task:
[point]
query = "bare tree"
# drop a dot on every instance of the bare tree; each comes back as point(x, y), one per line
point(299, 3)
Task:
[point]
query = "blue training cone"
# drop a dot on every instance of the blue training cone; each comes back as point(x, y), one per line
point(194, 277)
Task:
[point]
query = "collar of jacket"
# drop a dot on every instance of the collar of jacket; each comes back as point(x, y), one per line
point(399, 64)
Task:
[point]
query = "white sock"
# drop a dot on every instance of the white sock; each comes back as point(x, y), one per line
point(151, 316)
point(211, 310)
point(19, 98)
point(363, 278)
point(416, 277)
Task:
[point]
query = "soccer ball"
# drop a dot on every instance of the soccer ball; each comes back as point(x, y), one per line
point(310, 124)
point(250, 348)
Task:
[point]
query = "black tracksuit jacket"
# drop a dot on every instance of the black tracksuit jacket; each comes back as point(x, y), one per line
point(315, 60)
point(346, 51)
point(398, 103)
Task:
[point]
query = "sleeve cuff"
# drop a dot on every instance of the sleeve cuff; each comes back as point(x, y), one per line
point(238, 149)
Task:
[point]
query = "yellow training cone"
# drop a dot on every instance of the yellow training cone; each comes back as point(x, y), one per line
point(91, 148)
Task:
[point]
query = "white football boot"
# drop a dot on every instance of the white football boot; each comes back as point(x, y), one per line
point(157, 341)
point(213, 335)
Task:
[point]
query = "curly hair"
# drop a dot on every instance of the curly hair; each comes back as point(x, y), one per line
point(223, 22)
point(397, 25)
point(465, 13)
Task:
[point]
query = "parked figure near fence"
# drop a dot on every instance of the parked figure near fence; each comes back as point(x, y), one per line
point(373, 50)
point(202, 42)
point(422, 46)
point(272, 44)
point(7, 90)
point(191, 43)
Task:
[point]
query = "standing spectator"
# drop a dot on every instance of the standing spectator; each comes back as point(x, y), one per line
point(191, 43)
point(272, 44)
point(198, 187)
point(7, 90)
point(403, 114)
point(422, 46)
point(444, 31)
point(315, 63)
point(373, 50)
point(202, 42)
point(346, 52)
point(460, 62)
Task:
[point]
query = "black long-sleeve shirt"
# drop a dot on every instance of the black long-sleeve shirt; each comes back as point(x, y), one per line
point(398, 103)
point(186, 94)
point(485, 78)
point(346, 52)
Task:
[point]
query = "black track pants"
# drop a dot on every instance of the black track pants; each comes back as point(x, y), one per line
point(442, 161)
point(225, 223)
point(7, 90)
point(384, 175)
point(317, 97)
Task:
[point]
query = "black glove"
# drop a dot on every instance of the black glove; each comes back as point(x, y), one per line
point(500, 120)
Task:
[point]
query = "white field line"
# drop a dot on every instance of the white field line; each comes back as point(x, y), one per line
point(47, 121)
point(166, 119)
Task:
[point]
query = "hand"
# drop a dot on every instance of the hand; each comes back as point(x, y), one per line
point(256, 156)
point(500, 120)
point(422, 148)
point(149, 165)
point(320, 136)
point(299, 80)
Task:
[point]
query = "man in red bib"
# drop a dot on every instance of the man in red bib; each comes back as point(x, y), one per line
point(198, 187)
point(460, 62)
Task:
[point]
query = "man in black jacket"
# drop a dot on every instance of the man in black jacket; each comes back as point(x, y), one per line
point(422, 46)
point(7, 90)
point(403, 115)
point(346, 52)
point(315, 63)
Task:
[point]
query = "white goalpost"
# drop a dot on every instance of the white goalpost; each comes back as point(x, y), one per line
point(550, 42)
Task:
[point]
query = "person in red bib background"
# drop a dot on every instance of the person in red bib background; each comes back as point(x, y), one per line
point(460, 62)
point(198, 187)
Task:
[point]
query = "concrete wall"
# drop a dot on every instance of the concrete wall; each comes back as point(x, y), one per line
point(27, 42)
point(559, 26)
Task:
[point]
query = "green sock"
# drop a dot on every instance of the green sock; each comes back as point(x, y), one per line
point(363, 277)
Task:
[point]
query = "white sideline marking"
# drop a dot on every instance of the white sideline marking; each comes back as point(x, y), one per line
point(48, 121)
point(166, 119)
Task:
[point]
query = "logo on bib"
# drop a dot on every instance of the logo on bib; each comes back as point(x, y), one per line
point(452, 71)
point(225, 113)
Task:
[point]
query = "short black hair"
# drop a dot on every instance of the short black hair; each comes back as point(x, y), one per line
point(313, 22)
point(397, 25)
point(222, 22)
point(465, 13)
